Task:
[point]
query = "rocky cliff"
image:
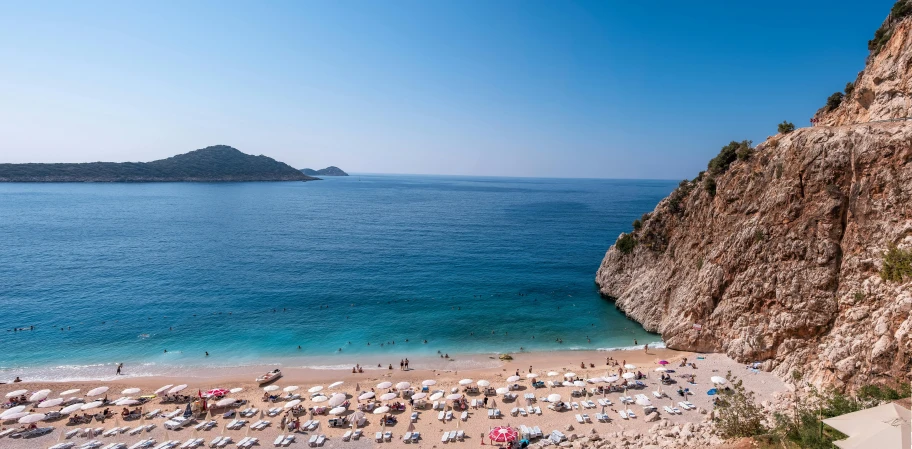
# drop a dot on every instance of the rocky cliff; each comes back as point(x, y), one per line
point(778, 254)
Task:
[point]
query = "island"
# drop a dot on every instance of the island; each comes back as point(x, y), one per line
point(218, 163)
point(328, 171)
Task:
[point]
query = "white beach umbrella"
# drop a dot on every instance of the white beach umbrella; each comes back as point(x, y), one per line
point(661, 369)
point(629, 375)
point(367, 395)
point(224, 402)
point(293, 403)
point(127, 402)
point(579, 383)
point(567, 383)
point(531, 375)
point(28, 419)
point(178, 388)
point(419, 395)
point(290, 388)
point(336, 400)
point(569, 375)
point(320, 399)
point(381, 410)
point(71, 408)
point(630, 366)
point(271, 388)
point(465, 381)
point(429, 382)
point(11, 411)
point(90, 405)
point(39, 395)
point(436, 396)
point(16, 393)
point(483, 383)
point(403, 386)
point(336, 384)
point(315, 389)
point(513, 378)
point(454, 397)
point(643, 401)
point(13, 416)
point(236, 390)
point(162, 389)
point(51, 403)
point(612, 378)
point(554, 397)
point(503, 390)
point(388, 396)
point(69, 392)
point(384, 385)
point(131, 391)
point(553, 373)
point(337, 411)
point(97, 391)
point(718, 380)
point(596, 380)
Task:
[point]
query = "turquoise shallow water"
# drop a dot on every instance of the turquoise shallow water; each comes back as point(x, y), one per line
point(472, 265)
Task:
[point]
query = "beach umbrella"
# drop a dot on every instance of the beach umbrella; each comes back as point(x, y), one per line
point(271, 388)
point(127, 402)
point(336, 384)
point(384, 385)
point(13, 416)
point(483, 383)
point(513, 378)
point(28, 419)
point(502, 434)
point(465, 381)
point(290, 388)
point(217, 392)
point(419, 395)
point(16, 393)
point(569, 375)
point(51, 403)
point(531, 375)
point(320, 399)
point(388, 396)
point(39, 395)
point(315, 389)
point(90, 405)
point(718, 380)
point(579, 383)
point(293, 403)
point(69, 392)
point(381, 410)
point(131, 391)
point(367, 395)
point(97, 391)
point(661, 369)
point(177, 388)
point(630, 366)
point(612, 378)
point(663, 362)
point(70, 409)
point(235, 390)
point(224, 402)
point(354, 417)
point(11, 411)
point(554, 397)
point(553, 373)
point(643, 401)
point(337, 411)
point(595, 380)
point(454, 397)
point(503, 390)
point(162, 389)
point(336, 400)
point(567, 384)
point(629, 375)
point(436, 396)
point(429, 382)
point(403, 386)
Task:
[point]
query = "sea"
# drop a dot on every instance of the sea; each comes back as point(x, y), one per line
point(366, 268)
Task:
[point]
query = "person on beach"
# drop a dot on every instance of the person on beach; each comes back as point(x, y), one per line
point(406, 362)
point(17, 379)
point(646, 348)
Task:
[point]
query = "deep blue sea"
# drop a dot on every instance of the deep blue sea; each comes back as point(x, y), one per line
point(111, 273)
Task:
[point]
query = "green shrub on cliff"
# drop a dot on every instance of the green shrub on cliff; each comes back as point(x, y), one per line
point(709, 184)
point(900, 10)
point(738, 414)
point(897, 265)
point(626, 243)
point(726, 156)
point(637, 224)
point(833, 101)
point(786, 127)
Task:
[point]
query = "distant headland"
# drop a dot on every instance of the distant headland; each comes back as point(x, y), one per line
point(219, 163)
point(328, 171)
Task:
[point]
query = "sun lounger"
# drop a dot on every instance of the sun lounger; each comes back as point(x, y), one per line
point(225, 442)
point(586, 418)
point(676, 410)
point(378, 437)
point(623, 414)
point(321, 439)
point(215, 441)
point(538, 432)
point(579, 419)
point(440, 416)
point(357, 434)
point(67, 445)
point(445, 437)
point(537, 410)
point(631, 414)
point(449, 415)
point(556, 437)
point(313, 425)
point(460, 435)
point(464, 416)
point(435, 406)
point(657, 394)
point(414, 416)
point(388, 436)
point(313, 441)
point(279, 439)
point(415, 437)
point(288, 440)
point(347, 436)
point(497, 413)
point(490, 413)
point(137, 429)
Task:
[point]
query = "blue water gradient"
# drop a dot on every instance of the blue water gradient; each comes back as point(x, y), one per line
point(472, 265)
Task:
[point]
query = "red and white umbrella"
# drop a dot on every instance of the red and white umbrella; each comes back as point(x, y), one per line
point(502, 434)
point(217, 392)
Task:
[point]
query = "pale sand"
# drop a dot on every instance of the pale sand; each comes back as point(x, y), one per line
point(764, 384)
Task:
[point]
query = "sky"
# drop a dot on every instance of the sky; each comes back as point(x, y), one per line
point(600, 89)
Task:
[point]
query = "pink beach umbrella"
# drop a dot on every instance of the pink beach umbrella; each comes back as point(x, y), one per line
point(663, 362)
point(217, 392)
point(502, 434)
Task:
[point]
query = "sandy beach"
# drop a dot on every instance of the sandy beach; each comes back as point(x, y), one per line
point(430, 428)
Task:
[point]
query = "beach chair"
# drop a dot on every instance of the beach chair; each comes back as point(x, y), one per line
point(449, 415)
point(320, 440)
point(224, 442)
point(407, 438)
point(623, 414)
point(243, 442)
point(445, 437)
point(215, 441)
point(689, 405)
point(441, 415)
point(522, 411)
point(631, 414)
point(414, 416)
point(579, 419)
point(436, 404)
point(586, 418)
point(357, 434)
point(676, 410)
point(657, 394)
point(490, 413)
point(537, 410)
point(347, 436)
point(388, 436)
point(313, 441)
point(415, 437)
point(464, 416)
point(288, 440)
point(279, 439)
point(497, 414)
point(667, 409)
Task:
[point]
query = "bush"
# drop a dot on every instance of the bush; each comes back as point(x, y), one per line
point(637, 225)
point(744, 153)
point(897, 265)
point(850, 87)
point(786, 127)
point(739, 415)
point(677, 197)
point(833, 101)
point(709, 184)
point(626, 243)
point(726, 156)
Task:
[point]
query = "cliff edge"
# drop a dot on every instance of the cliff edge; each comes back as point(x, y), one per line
point(778, 254)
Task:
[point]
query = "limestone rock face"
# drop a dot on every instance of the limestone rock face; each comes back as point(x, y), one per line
point(782, 265)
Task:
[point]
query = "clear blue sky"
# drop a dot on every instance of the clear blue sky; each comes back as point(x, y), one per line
point(608, 89)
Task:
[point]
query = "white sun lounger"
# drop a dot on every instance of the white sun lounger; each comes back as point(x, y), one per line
point(357, 434)
point(321, 439)
point(449, 415)
point(215, 441)
point(313, 440)
point(657, 394)
point(464, 416)
point(441, 415)
point(388, 436)
point(460, 435)
point(631, 414)
point(378, 437)
point(623, 413)
point(279, 439)
point(67, 445)
point(288, 440)
point(415, 436)
point(579, 419)
point(445, 437)
point(414, 416)
point(347, 436)
point(225, 442)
